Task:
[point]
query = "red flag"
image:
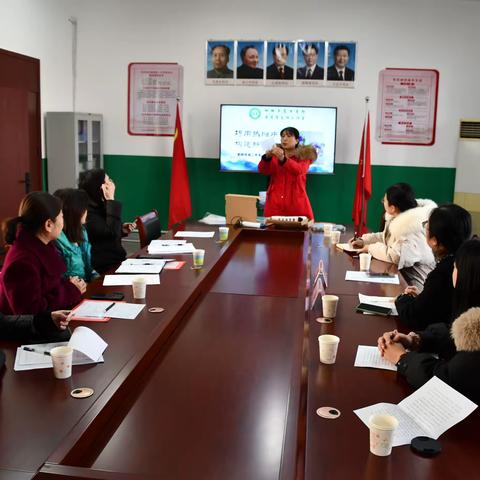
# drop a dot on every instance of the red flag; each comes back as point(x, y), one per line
point(363, 188)
point(180, 203)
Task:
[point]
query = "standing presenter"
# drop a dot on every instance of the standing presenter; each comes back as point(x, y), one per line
point(287, 164)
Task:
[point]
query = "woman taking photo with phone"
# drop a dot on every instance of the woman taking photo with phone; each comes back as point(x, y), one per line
point(104, 220)
point(287, 165)
point(32, 279)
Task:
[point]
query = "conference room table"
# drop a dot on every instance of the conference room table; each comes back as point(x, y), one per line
point(225, 383)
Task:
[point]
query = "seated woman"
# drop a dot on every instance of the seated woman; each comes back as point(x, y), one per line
point(403, 241)
point(287, 164)
point(41, 328)
point(32, 278)
point(73, 243)
point(447, 228)
point(104, 220)
point(451, 354)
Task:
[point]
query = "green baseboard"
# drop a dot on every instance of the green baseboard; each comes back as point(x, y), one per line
point(143, 183)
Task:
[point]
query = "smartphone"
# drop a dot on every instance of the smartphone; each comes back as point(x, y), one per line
point(114, 296)
point(376, 309)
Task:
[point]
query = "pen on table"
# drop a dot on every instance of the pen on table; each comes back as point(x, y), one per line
point(109, 307)
point(30, 349)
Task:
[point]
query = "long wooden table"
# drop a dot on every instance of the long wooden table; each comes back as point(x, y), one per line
point(224, 383)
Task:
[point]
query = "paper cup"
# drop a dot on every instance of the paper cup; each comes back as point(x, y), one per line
point(198, 257)
point(365, 260)
point(382, 428)
point(335, 236)
point(328, 346)
point(327, 229)
point(329, 305)
point(223, 233)
point(139, 286)
point(62, 361)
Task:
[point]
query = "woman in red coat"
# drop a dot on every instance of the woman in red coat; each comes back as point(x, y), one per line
point(32, 279)
point(287, 164)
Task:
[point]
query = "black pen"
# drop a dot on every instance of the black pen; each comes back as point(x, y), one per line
point(109, 307)
point(30, 349)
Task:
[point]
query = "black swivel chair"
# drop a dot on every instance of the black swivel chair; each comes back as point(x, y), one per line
point(149, 227)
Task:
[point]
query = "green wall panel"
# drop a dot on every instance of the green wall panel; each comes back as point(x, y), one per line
point(143, 183)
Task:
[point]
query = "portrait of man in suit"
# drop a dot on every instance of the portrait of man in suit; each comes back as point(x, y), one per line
point(220, 57)
point(311, 71)
point(339, 70)
point(250, 57)
point(279, 70)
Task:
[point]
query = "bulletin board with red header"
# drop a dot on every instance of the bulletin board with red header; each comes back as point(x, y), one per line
point(407, 106)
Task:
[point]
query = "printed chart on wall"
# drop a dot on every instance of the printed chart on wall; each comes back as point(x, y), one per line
point(407, 106)
point(153, 91)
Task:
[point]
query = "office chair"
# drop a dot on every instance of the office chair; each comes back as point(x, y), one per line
point(149, 227)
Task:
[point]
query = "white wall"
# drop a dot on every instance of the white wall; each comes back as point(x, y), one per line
point(441, 34)
point(41, 29)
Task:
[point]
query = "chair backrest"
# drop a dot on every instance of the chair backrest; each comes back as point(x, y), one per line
point(149, 227)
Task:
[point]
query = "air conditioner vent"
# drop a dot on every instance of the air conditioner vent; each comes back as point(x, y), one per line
point(470, 129)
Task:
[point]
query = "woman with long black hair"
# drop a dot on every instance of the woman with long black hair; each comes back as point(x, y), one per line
point(450, 353)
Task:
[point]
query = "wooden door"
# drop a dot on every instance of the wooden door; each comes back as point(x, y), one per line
point(20, 137)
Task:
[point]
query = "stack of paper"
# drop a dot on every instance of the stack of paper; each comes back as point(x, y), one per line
point(194, 234)
point(116, 280)
point(88, 347)
point(212, 219)
point(370, 357)
point(347, 247)
point(99, 309)
point(364, 277)
point(170, 247)
point(140, 265)
point(387, 302)
point(431, 410)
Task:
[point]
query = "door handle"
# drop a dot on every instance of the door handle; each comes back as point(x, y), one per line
point(27, 181)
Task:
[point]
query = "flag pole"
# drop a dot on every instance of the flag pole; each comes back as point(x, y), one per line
point(364, 150)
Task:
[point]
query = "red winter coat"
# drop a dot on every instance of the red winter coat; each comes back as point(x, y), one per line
point(32, 278)
point(287, 194)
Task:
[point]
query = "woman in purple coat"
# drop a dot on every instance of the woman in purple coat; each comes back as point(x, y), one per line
point(32, 279)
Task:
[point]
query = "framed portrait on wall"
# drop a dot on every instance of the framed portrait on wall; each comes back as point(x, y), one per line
point(219, 62)
point(341, 62)
point(310, 66)
point(280, 63)
point(250, 62)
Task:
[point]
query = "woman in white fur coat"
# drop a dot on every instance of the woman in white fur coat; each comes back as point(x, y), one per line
point(403, 241)
point(450, 353)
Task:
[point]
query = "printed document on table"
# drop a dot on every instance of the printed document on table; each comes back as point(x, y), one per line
point(141, 266)
point(194, 234)
point(88, 347)
point(212, 219)
point(357, 276)
point(97, 309)
point(370, 357)
point(158, 248)
point(127, 311)
point(387, 302)
point(117, 280)
point(430, 411)
point(347, 247)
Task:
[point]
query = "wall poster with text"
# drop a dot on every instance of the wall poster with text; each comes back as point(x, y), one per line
point(153, 92)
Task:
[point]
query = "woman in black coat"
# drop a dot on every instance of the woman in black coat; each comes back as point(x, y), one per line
point(449, 353)
point(41, 328)
point(104, 220)
point(447, 228)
